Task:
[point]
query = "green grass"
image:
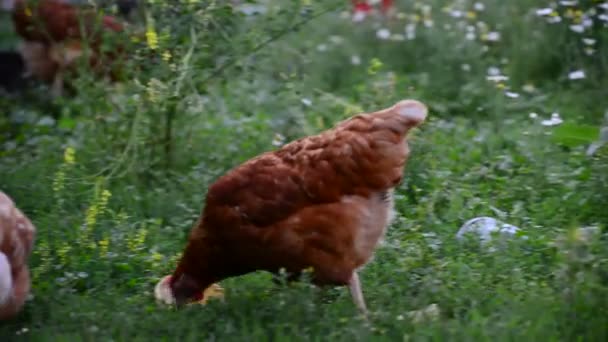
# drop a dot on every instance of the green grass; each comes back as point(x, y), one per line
point(113, 218)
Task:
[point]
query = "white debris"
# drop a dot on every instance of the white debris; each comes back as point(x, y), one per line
point(576, 75)
point(484, 226)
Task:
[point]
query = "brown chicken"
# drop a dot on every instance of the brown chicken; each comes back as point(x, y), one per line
point(55, 34)
point(16, 242)
point(321, 202)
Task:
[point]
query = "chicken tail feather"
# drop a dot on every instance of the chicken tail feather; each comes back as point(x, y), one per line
point(414, 111)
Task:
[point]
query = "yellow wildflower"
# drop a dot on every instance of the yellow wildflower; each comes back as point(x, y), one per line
point(374, 66)
point(104, 245)
point(152, 38)
point(157, 257)
point(68, 155)
point(105, 196)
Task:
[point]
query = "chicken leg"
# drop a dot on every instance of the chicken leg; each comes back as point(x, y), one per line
point(354, 285)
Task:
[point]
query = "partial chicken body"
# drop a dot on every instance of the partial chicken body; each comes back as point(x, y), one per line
point(322, 203)
point(55, 34)
point(16, 241)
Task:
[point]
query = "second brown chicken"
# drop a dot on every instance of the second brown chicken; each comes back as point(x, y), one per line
point(321, 202)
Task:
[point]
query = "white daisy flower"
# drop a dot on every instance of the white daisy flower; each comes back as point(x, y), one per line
point(544, 11)
point(383, 33)
point(554, 121)
point(493, 36)
point(577, 28)
point(306, 101)
point(576, 75)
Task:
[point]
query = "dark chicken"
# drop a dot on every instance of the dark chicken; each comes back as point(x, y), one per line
point(56, 34)
point(321, 202)
point(12, 71)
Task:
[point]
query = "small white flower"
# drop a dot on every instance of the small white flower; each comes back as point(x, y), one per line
point(554, 121)
point(428, 23)
point(493, 71)
point(554, 20)
point(603, 5)
point(465, 67)
point(533, 115)
point(410, 31)
point(322, 47)
point(355, 60)
point(568, 3)
point(358, 16)
point(478, 6)
point(576, 75)
point(512, 94)
point(306, 101)
point(336, 39)
point(470, 36)
point(589, 41)
point(482, 26)
point(383, 33)
point(278, 140)
point(587, 22)
point(456, 13)
point(544, 11)
point(400, 318)
point(497, 78)
point(577, 28)
point(493, 36)
point(529, 88)
point(603, 17)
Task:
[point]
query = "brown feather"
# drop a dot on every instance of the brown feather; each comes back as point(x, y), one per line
point(17, 235)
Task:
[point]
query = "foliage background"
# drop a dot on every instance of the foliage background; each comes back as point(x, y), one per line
point(114, 177)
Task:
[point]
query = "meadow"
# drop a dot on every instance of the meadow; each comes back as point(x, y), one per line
point(115, 176)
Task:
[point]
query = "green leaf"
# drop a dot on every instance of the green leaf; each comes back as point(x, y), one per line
point(67, 123)
point(572, 135)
